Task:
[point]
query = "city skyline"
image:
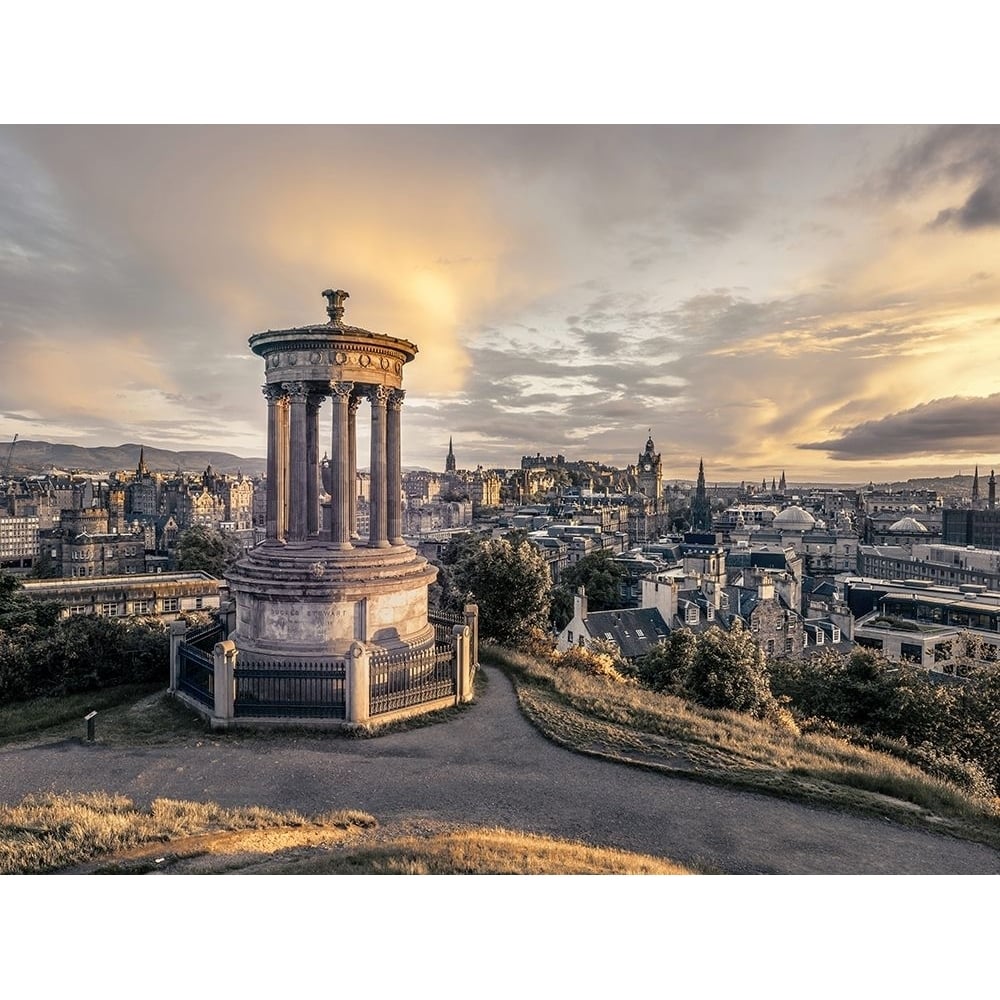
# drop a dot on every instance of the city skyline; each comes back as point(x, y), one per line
point(813, 299)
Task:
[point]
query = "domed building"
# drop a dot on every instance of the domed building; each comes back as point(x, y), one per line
point(824, 550)
point(906, 531)
point(794, 518)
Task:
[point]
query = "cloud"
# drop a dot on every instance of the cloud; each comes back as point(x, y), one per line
point(981, 208)
point(955, 425)
point(953, 156)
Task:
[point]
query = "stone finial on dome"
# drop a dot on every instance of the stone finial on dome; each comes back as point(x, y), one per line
point(335, 304)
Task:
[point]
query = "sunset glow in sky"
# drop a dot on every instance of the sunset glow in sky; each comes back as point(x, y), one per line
point(823, 300)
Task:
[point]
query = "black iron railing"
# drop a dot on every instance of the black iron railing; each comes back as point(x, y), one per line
point(205, 638)
point(444, 622)
point(265, 689)
point(196, 676)
point(398, 680)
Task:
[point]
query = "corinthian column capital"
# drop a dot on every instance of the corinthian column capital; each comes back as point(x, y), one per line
point(297, 391)
point(378, 394)
point(341, 389)
point(396, 397)
point(272, 393)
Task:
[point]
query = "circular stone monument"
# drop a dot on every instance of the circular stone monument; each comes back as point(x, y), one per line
point(313, 588)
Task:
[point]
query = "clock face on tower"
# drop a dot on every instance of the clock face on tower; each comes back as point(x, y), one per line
point(647, 466)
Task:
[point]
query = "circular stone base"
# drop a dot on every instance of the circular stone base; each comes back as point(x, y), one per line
point(311, 601)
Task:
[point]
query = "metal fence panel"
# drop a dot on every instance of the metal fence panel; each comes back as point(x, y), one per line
point(197, 674)
point(403, 679)
point(295, 690)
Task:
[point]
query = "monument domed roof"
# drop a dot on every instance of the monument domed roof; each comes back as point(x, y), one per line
point(794, 517)
point(908, 524)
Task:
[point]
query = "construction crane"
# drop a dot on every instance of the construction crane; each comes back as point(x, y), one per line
point(10, 452)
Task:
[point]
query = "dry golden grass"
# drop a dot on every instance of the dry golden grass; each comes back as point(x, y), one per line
point(481, 852)
point(633, 724)
point(48, 832)
point(108, 834)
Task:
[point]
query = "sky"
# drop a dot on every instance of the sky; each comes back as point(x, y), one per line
point(820, 300)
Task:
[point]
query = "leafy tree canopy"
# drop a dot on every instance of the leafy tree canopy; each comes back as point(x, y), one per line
point(600, 575)
point(509, 581)
point(205, 548)
point(729, 670)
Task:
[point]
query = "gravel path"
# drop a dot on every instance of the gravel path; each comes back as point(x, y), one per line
point(490, 767)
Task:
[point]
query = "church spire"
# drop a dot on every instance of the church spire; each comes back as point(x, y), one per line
point(975, 485)
point(141, 469)
point(449, 463)
point(701, 509)
point(992, 501)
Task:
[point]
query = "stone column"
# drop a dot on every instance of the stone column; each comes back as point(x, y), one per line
point(341, 484)
point(377, 537)
point(352, 435)
point(313, 402)
point(298, 477)
point(272, 394)
point(281, 413)
point(394, 472)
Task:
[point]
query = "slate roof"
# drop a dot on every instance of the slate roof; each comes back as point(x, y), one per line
point(634, 630)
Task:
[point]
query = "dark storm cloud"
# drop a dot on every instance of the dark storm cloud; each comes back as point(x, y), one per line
point(958, 424)
point(953, 154)
point(981, 208)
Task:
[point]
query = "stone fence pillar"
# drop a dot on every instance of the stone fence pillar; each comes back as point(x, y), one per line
point(358, 694)
point(472, 620)
point(227, 616)
point(224, 662)
point(463, 662)
point(177, 630)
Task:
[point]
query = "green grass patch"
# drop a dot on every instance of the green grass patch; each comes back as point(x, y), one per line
point(63, 716)
point(631, 724)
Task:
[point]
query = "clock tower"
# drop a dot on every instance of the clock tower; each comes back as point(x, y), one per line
point(651, 475)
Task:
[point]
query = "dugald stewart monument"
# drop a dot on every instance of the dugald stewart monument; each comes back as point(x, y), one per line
point(324, 624)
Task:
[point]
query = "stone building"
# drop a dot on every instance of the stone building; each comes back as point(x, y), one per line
point(18, 543)
point(649, 475)
point(163, 595)
point(701, 508)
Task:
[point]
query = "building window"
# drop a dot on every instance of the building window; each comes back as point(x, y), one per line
point(199, 603)
point(569, 637)
point(140, 607)
point(171, 604)
point(788, 644)
point(110, 610)
point(79, 609)
point(770, 647)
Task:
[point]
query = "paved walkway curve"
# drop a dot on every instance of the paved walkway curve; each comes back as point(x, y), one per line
point(490, 767)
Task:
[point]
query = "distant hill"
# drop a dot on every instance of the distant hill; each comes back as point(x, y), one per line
point(32, 457)
point(944, 484)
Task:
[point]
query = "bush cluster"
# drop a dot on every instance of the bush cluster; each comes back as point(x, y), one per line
point(717, 668)
point(952, 730)
point(43, 655)
point(599, 659)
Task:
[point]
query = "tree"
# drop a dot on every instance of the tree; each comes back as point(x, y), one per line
point(666, 666)
point(729, 670)
point(44, 567)
point(205, 548)
point(510, 584)
point(600, 575)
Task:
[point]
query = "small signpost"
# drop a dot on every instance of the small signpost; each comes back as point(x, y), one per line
point(89, 719)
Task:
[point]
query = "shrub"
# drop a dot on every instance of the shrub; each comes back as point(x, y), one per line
point(729, 670)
